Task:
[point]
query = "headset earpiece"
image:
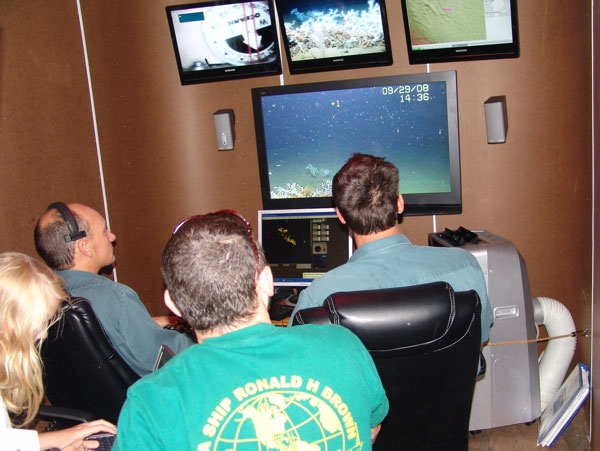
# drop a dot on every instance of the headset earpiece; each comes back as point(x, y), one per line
point(69, 218)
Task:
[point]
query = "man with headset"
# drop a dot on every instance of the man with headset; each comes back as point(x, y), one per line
point(73, 239)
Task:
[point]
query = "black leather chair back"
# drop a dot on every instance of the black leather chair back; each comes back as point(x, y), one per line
point(425, 341)
point(82, 370)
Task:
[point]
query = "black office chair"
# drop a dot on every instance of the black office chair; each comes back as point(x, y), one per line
point(425, 341)
point(82, 370)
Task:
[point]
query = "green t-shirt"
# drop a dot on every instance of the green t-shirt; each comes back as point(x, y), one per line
point(259, 388)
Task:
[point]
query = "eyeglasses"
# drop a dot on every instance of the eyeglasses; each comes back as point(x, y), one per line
point(236, 215)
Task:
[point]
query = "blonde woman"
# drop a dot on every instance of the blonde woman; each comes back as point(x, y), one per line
point(30, 295)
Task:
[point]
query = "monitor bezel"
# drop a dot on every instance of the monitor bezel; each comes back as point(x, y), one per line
point(338, 62)
point(415, 204)
point(466, 52)
point(328, 212)
point(230, 72)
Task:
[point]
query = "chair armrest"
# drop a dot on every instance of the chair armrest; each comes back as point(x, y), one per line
point(65, 413)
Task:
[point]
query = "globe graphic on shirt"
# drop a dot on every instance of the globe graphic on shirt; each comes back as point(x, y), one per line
point(283, 420)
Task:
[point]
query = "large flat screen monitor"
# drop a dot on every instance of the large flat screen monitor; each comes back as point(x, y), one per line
point(224, 39)
point(445, 30)
point(306, 132)
point(323, 35)
point(301, 245)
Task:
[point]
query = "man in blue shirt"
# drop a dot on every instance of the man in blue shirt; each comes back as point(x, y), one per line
point(78, 258)
point(365, 193)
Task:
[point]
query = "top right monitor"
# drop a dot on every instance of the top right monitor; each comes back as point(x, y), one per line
point(459, 30)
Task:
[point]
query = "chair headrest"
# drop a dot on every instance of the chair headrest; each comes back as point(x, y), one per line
point(425, 316)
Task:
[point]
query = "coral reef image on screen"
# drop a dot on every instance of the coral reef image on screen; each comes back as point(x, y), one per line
point(435, 21)
point(332, 30)
point(310, 135)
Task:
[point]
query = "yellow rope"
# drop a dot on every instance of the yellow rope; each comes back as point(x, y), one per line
point(583, 332)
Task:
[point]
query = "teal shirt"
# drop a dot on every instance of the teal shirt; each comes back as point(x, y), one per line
point(395, 262)
point(125, 319)
point(261, 387)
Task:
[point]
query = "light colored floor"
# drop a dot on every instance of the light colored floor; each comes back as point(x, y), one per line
point(521, 437)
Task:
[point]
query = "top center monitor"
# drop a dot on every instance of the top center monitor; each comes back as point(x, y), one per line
point(321, 35)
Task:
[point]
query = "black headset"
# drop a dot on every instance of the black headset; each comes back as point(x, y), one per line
point(69, 218)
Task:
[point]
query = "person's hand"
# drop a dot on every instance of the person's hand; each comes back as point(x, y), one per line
point(374, 432)
point(72, 439)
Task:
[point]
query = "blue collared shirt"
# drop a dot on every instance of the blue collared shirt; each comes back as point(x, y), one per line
point(395, 262)
point(125, 319)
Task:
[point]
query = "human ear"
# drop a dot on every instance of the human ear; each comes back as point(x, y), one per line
point(83, 246)
point(170, 304)
point(264, 285)
point(339, 215)
point(400, 203)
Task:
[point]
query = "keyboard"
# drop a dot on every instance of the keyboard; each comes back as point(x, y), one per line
point(104, 439)
point(279, 311)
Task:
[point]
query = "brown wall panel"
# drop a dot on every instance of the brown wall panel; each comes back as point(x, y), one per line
point(47, 149)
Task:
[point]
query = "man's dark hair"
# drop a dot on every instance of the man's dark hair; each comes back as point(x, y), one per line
point(210, 267)
point(50, 240)
point(365, 190)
